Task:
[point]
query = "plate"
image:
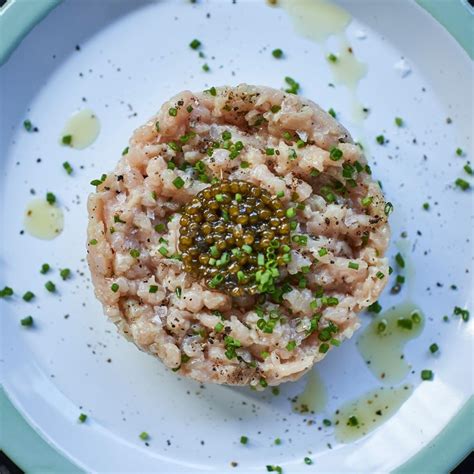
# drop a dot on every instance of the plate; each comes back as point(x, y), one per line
point(122, 60)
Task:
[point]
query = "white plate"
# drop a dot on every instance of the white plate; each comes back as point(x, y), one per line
point(137, 53)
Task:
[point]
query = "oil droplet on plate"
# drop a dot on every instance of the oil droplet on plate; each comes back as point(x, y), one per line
point(358, 417)
point(43, 220)
point(313, 399)
point(83, 128)
point(316, 19)
point(382, 342)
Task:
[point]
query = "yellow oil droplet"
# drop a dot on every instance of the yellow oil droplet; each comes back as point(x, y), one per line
point(43, 220)
point(382, 342)
point(313, 399)
point(316, 19)
point(83, 128)
point(359, 417)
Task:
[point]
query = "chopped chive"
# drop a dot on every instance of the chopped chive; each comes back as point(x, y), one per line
point(434, 348)
point(275, 109)
point(270, 151)
point(125, 151)
point(322, 252)
point(135, 253)
point(195, 44)
point(51, 198)
point(398, 121)
point(427, 374)
point(68, 167)
point(308, 461)
point(114, 287)
point(400, 261)
point(366, 201)
point(277, 53)
point(212, 91)
point(332, 112)
point(216, 280)
point(388, 208)
point(163, 251)
point(65, 273)
point(277, 441)
point(173, 111)
point(335, 154)
point(353, 421)
point(28, 296)
point(153, 289)
point(468, 169)
point(291, 346)
point(327, 422)
point(144, 436)
point(459, 151)
point(323, 348)
point(380, 275)
point(426, 206)
point(244, 440)
point(178, 291)
point(218, 327)
point(178, 182)
point(294, 86)
point(374, 307)
point(160, 227)
point(28, 321)
point(45, 268)
point(66, 140)
point(93, 242)
point(205, 67)
point(290, 212)
point(28, 126)
point(82, 418)
point(405, 323)
point(353, 266)
point(463, 184)
point(332, 58)
point(50, 286)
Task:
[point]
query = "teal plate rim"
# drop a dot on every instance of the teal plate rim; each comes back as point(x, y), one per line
point(456, 440)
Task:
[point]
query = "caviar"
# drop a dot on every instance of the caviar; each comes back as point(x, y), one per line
point(235, 236)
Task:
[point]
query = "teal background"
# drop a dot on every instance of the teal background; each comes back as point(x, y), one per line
point(27, 449)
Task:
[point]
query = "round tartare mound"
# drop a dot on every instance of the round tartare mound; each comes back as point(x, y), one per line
point(238, 236)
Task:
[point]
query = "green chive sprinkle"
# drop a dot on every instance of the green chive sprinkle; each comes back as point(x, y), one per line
point(459, 151)
point(323, 348)
point(380, 275)
point(178, 182)
point(463, 184)
point(468, 169)
point(153, 289)
point(327, 422)
point(275, 109)
point(322, 252)
point(277, 441)
point(332, 58)
point(353, 421)
point(335, 154)
point(427, 374)
point(50, 286)
point(434, 348)
point(93, 242)
point(380, 139)
point(308, 461)
point(173, 111)
point(82, 418)
point(332, 112)
point(28, 321)
point(291, 346)
point(400, 261)
point(206, 68)
point(65, 273)
point(195, 44)
point(144, 436)
point(51, 198)
point(163, 251)
point(374, 308)
point(277, 53)
point(125, 151)
point(426, 206)
point(28, 296)
point(244, 440)
point(66, 140)
point(135, 253)
point(290, 212)
point(218, 327)
point(68, 167)
point(28, 125)
point(114, 287)
point(398, 121)
point(45, 268)
point(353, 266)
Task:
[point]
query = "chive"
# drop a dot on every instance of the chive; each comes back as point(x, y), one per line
point(213, 91)
point(178, 182)
point(434, 348)
point(153, 289)
point(353, 421)
point(277, 441)
point(275, 391)
point(28, 296)
point(327, 422)
point(380, 275)
point(463, 184)
point(195, 44)
point(244, 440)
point(218, 327)
point(244, 164)
point(219, 197)
point(277, 53)
point(28, 321)
point(308, 461)
point(68, 167)
point(427, 374)
point(125, 151)
point(400, 279)
point(388, 208)
point(353, 266)
point(426, 206)
point(114, 287)
point(135, 253)
point(216, 280)
point(332, 112)
point(66, 140)
point(459, 151)
point(405, 323)
point(315, 173)
point(290, 212)
point(380, 139)
point(45, 268)
point(398, 121)
point(467, 168)
point(50, 286)
point(118, 220)
point(65, 273)
point(270, 151)
point(144, 436)
point(28, 125)
point(287, 136)
point(206, 68)
point(178, 291)
point(157, 126)
point(51, 198)
point(291, 346)
point(332, 58)
point(263, 382)
point(464, 313)
point(294, 86)
point(323, 348)
point(367, 201)
point(275, 109)
point(322, 252)
point(82, 418)
point(335, 154)
point(400, 261)
point(374, 307)
point(173, 111)
point(163, 251)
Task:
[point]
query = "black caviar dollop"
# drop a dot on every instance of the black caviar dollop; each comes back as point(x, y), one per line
point(235, 236)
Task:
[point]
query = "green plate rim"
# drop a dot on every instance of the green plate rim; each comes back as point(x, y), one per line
point(456, 440)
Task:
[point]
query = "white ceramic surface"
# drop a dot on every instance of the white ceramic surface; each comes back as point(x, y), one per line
point(133, 56)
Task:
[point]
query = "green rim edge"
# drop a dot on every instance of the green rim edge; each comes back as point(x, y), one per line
point(452, 444)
